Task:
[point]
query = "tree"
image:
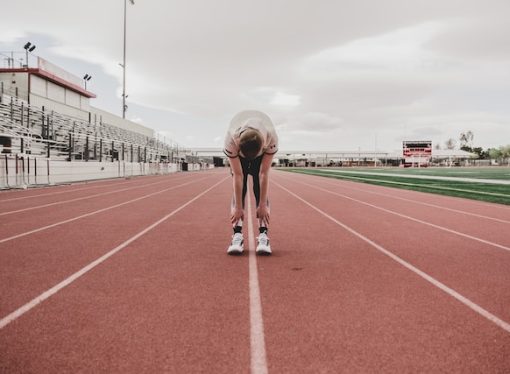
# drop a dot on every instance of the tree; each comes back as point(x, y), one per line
point(450, 143)
point(505, 152)
point(481, 153)
point(466, 139)
point(494, 153)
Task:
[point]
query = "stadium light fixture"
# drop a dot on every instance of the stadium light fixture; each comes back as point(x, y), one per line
point(29, 47)
point(124, 106)
point(86, 78)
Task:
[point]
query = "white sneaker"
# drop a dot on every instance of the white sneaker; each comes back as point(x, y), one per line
point(263, 247)
point(236, 248)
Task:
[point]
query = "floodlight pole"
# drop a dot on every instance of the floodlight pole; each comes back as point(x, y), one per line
point(124, 63)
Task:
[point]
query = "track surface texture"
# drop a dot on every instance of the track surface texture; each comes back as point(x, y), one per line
point(132, 276)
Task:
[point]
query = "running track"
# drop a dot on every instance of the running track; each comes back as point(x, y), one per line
point(132, 276)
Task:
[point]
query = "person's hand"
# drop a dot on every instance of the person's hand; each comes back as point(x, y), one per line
point(237, 214)
point(263, 213)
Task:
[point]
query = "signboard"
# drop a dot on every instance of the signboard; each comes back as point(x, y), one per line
point(417, 152)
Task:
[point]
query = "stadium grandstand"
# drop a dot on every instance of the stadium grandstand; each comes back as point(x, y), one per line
point(49, 133)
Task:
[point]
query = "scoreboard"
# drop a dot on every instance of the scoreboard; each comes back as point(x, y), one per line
point(417, 153)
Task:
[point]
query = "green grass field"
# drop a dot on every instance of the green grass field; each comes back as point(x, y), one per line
point(495, 193)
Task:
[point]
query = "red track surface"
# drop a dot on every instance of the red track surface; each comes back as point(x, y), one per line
point(171, 300)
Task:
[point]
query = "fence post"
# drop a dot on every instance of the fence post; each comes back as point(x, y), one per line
point(70, 146)
point(6, 171)
point(22, 135)
point(87, 148)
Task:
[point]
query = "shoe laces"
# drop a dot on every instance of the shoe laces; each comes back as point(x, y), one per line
point(237, 239)
point(263, 239)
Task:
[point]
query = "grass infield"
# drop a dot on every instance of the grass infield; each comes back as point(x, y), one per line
point(493, 193)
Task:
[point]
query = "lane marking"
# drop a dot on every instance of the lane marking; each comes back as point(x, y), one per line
point(433, 205)
point(413, 219)
point(257, 343)
point(79, 198)
point(341, 185)
point(464, 300)
point(429, 186)
point(99, 185)
point(45, 295)
point(428, 177)
point(94, 212)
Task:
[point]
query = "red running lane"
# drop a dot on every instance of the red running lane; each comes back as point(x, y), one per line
point(332, 303)
point(482, 228)
point(473, 206)
point(45, 191)
point(477, 271)
point(171, 302)
point(34, 263)
point(21, 222)
point(56, 200)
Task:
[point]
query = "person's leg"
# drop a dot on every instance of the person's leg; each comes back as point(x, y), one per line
point(238, 226)
point(236, 247)
point(254, 171)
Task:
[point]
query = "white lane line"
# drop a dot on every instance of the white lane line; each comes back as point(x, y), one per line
point(45, 295)
point(68, 190)
point(257, 343)
point(464, 300)
point(412, 218)
point(94, 212)
point(332, 183)
point(355, 179)
point(79, 198)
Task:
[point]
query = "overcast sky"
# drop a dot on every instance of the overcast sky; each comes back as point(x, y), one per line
point(333, 75)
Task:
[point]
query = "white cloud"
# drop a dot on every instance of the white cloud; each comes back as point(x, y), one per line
point(286, 100)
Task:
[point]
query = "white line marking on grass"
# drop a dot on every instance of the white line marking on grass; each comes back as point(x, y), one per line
point(94, 212)
point(79, 198)
point(45, 295)
point(257, 344)
point(416, 202)
point(429, 177)
point(464, 300)
point(411, 218)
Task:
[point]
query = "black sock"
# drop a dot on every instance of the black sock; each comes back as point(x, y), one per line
point(262, 230)
point(238, 229)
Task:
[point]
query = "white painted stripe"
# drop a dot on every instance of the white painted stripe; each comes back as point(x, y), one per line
point(464, 300)
point(416, 202)
point(430, 177)
point(346, 176)
point(94, 212)
point(412, 218)
point(79, 198)
point(98, 185)
point(257, 343)
point(45, 295)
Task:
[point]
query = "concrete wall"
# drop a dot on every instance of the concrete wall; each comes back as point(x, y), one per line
point(11, 81)
point(41, 171)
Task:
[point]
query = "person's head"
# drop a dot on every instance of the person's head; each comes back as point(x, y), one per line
point(250, 143)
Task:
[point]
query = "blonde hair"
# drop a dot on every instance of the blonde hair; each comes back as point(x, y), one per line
point(250, 143)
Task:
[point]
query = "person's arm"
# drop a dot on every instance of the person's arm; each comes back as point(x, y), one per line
point(265, 167)
point(237, 180)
